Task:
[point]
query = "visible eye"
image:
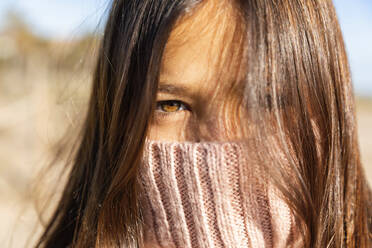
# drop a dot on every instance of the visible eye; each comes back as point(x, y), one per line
point(171, 106)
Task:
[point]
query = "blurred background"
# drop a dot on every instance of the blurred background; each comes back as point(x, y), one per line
point(47, 52)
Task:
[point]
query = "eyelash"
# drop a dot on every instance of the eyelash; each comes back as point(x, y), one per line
point(161, 111)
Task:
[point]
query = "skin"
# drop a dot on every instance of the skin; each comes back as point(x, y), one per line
point(199, 94)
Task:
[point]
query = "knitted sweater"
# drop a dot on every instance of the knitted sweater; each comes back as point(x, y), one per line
point(208, 195)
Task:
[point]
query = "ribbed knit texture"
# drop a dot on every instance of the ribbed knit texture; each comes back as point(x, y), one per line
point(209, 195)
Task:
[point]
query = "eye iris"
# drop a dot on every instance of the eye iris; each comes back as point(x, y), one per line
point(170, 106)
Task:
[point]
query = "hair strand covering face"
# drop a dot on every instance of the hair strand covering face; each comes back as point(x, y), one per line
point(300, 109)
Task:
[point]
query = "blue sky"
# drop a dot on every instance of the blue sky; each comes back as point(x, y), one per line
point(58, 18)
point(69, 18)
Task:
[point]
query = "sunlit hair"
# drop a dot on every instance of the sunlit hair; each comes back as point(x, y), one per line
point(298, 102)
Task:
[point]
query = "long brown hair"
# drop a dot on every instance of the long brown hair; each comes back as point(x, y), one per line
point(296, 67)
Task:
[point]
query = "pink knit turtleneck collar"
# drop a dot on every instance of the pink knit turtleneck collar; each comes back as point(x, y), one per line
point(208, 195)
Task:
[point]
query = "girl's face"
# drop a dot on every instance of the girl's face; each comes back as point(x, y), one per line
point(199, 94)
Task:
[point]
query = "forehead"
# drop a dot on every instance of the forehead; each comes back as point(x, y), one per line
point(202, 50)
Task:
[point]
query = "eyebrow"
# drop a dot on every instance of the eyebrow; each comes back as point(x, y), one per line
point(183, 90)
point(174, 89)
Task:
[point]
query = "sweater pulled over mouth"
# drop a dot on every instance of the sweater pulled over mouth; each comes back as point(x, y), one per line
point(210, 195)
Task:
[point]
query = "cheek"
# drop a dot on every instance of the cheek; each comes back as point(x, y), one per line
point(172, 128)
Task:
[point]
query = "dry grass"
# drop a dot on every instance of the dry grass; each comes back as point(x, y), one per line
point(44, 87)
point(364, 119)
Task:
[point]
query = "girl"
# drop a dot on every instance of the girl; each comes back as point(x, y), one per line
point(217, 123)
